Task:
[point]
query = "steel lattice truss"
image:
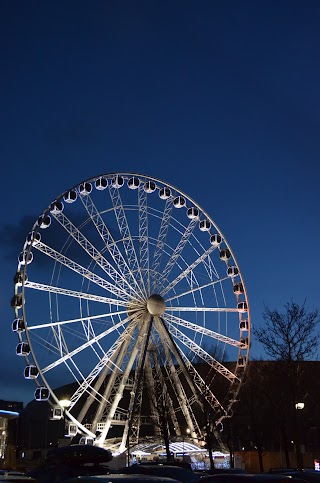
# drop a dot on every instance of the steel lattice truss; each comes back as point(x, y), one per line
point(128, 292)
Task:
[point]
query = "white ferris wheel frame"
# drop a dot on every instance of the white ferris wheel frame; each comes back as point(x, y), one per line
point(125, 273)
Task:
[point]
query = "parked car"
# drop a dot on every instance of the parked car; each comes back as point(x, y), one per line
point(122, 478)
point(83, 453)
point(72, 461)
point(17, 478)
point(52, 473)
point(11, 473)
point(179, 473)
point(216, 471)
point(312, 476)
point(250, 478)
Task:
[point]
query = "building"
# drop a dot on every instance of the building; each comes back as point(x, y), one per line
point(9, 412)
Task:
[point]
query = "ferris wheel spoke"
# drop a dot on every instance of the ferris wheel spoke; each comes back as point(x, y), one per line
point(143, 237)
point(160, 244)
point(121, 282)
point(195, 289)
point(85, 346)
point(74, 293)
point(203, 386)
point(105, 363)
point(49, 346)
point(202, 310)
point(110, 243)
point(178, 250)
point(79, 319)
point(203, 330)
point(189, 270)
point(126, 234)
point(67, 262)
point(196, 349)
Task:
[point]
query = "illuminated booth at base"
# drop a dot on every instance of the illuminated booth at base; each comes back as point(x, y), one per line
point(186, 451)
point(8, 410)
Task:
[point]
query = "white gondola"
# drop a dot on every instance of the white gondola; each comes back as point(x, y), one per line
point(85, 188)
point(44, 221)
point(204, 225)
point(19, 278)
point(179, 202)
point(41, 393)
point(232, 271)
point(215, 239)
point(133, 183)
point(33, 237)
point(242, 307)
point(225, 254)
point(117, 181)
point(56, 413)
point(70, 196)
point(149, 187)
point(31, 372)
point(245, 342)
point(86, 440)
point(71, 430)
point(56, 207)
point(193, 212)
point(165, 193)
point(23, 349)
point(238, 288)
point(18, 325)
point(17, 301)
point(25, 257)
point(244, 325)
point(101, 183)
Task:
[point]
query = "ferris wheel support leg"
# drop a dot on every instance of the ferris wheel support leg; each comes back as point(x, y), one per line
point(120, 350)
point(151, 389)
point(163, 396)
point(184, 404)
point(140, 342)
point(136, 394)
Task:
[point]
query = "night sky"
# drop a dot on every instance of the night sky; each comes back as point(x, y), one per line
point(220, 99)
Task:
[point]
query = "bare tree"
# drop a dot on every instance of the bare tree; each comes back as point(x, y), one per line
point(290, 337)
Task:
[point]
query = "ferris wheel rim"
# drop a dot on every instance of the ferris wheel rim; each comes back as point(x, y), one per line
point(145, 177)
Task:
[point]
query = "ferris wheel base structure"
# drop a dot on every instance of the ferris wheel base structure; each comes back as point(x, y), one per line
point(128, 290)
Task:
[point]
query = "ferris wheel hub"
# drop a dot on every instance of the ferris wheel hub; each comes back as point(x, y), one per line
point(156, 305)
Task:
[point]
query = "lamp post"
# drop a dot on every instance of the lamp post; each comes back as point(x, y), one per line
point(299, 453)
point(64, 404)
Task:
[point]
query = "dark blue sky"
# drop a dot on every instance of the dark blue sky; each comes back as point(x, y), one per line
point(220, 99)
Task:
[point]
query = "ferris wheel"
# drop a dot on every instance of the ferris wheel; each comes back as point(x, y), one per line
point(128, 295)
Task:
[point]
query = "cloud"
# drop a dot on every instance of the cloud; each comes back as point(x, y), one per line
point(13, 236)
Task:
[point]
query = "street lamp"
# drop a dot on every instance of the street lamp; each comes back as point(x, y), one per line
point(299, 449)
point(64, 404)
